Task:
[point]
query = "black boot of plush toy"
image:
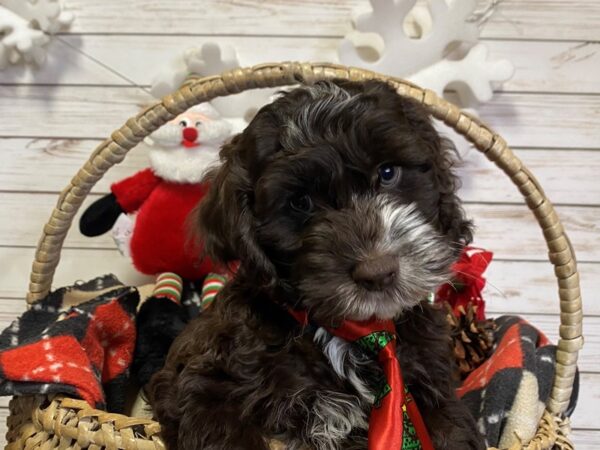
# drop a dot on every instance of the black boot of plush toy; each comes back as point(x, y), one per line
point(100, 216)
point(159, 321)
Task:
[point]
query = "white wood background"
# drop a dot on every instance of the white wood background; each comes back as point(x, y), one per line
point(549, 112)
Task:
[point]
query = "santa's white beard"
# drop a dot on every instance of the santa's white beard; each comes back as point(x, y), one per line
point(183, 165)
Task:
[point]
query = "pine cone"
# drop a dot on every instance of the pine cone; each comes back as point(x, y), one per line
point(472, 339)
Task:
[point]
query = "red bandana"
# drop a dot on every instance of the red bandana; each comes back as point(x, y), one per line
point(395, 421)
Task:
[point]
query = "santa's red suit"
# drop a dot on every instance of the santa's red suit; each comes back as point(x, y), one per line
point(163, 197)
point(161, 241)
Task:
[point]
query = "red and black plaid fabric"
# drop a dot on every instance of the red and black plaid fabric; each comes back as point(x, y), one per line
point(84, 351)
point(508, 392)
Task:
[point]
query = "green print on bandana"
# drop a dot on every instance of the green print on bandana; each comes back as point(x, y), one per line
point(384, 390)
point(374, 342)
point(410, 441)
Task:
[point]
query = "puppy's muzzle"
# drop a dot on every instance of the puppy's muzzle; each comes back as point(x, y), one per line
point(376, 273)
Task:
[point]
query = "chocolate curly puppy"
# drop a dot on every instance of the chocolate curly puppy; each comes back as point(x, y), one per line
point(338, 200)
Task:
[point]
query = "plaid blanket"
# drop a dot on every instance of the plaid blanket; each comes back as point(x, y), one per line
point(80, 341)
point(72, 344)
point(508, 392)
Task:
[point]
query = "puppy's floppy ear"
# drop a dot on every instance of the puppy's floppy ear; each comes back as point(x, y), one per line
point(224, 218)
point(451, 216)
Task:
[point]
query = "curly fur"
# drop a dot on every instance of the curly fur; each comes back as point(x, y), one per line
point(245, 371)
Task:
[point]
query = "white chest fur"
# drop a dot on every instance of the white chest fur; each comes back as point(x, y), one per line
point(336, 414)
point(344, 361)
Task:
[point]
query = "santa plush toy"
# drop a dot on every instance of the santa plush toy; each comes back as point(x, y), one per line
point(148, 214)
point(160, 198)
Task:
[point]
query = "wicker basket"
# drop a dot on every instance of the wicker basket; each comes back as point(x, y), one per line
point(61, 422)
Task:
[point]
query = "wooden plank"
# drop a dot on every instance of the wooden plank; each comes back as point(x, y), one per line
point(30, 212)
point(542, 120)
point(550, 66)
point(185, 17)
point(586, 413)
point(512, 232)
point(67, 111)
point(585, 439)
point(60, 159)
point(567, 176)
point(540, 66)
point(525, 120)
point(75, 265)
point(494, 223)
point(63, 66)
point(4, 413)
point(10, 309)
point(530, 19)
point(530, 287)
point(518, 19)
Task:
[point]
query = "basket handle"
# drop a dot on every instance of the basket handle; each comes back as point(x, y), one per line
point(113, 150)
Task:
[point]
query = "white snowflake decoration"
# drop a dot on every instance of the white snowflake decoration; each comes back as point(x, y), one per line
point(412, 42)
point(472, 77)
point(24, 29)
point(423, 56)
point(211, 59)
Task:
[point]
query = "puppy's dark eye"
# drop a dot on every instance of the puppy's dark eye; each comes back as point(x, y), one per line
point(389, 175)
point(302, 203)
point(424, 167)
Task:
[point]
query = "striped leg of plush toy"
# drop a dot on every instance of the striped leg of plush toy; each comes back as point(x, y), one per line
point(168, 285)
point(213, 283)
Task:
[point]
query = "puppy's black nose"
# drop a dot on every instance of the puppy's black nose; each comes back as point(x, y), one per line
point(377, 273)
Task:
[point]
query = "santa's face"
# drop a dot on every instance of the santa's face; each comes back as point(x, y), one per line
point(184, 148)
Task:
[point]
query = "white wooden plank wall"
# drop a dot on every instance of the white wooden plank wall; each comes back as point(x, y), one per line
point(549, 112)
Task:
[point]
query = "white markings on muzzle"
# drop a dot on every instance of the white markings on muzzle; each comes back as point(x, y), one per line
point(402, 223)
